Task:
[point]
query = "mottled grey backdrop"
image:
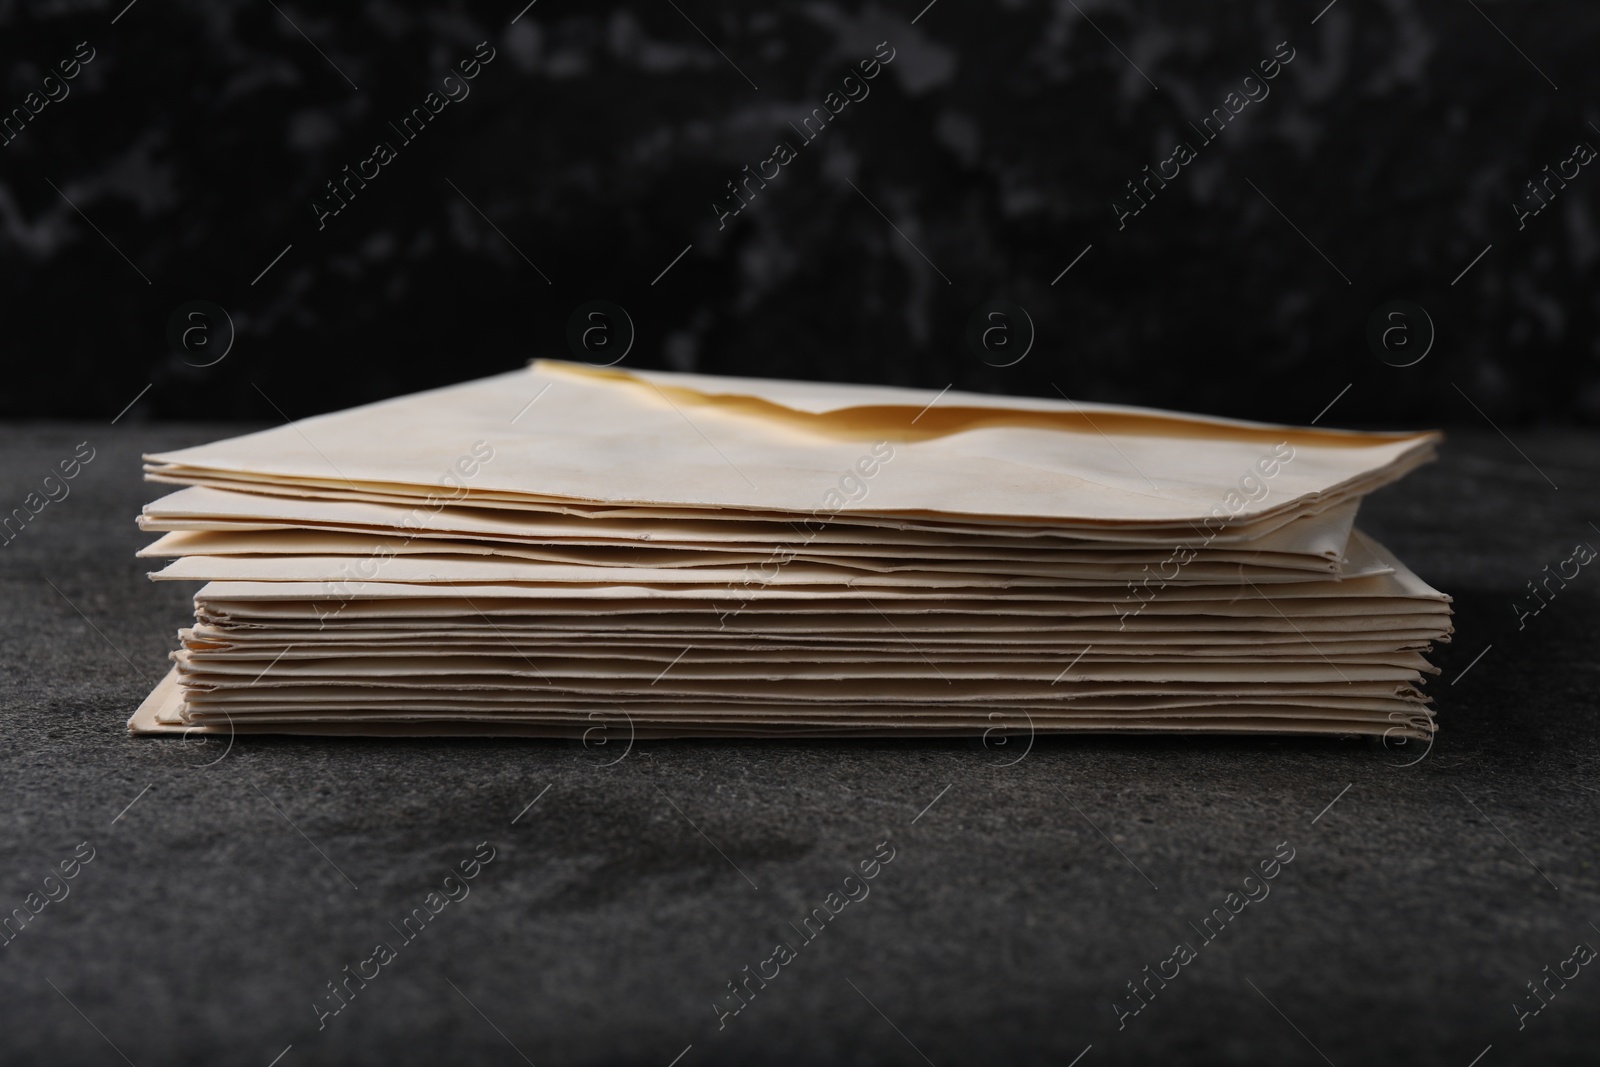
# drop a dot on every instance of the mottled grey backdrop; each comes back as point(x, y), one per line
point(187, 156)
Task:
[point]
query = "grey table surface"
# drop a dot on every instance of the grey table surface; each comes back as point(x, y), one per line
point(229, 886)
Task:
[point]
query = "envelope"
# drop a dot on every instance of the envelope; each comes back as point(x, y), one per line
point(756, 446)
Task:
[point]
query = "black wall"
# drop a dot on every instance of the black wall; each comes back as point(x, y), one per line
point(1386, 155)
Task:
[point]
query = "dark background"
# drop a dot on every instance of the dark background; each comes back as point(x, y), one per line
point(1426, 894)
point(997, 140)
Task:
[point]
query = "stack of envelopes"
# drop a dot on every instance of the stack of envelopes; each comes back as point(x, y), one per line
point(541, 551)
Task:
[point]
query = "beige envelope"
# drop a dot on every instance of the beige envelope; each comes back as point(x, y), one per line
point(1320, 531)
point(163, 713)
point(367, 554)
point(800, 449)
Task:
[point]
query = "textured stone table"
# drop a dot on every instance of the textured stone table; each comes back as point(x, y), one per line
point(1021, 898)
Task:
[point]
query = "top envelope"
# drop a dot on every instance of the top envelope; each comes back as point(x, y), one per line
point(563, 436)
